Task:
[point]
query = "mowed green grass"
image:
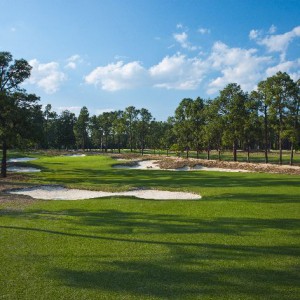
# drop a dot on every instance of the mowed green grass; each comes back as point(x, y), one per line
point(240, 241)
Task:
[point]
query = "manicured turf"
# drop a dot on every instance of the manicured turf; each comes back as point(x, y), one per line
point(241, 241)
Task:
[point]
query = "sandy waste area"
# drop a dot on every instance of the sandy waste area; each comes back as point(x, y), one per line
point(154, 165)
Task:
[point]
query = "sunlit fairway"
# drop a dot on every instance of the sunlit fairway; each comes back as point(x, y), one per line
point(240, 241)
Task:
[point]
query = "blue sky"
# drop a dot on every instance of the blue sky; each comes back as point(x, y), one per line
point(109, 54)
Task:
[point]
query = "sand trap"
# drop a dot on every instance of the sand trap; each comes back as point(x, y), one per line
point(61, 193)
point(202, 168)
point(74, 155)
point(21, 159)
point(153, 164)
point(23, 169)
point(140, 165)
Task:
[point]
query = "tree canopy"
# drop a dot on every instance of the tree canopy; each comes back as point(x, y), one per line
point(20, 115)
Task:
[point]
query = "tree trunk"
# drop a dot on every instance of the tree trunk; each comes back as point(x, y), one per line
point(219, 154)
point(130, 136)
point(280, 150)
point(248, 154)
point(292, 154)
point(234, 151)
point(266, 135)
point(208, 153)
point(187, 153)
point(119, 150)
point(167, 152)
point(4, 158)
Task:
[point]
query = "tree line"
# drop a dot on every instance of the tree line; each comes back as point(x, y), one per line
point(264, 119)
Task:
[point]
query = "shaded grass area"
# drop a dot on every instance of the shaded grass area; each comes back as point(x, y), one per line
point(241, 241)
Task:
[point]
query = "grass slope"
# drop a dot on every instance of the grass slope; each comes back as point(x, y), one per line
point(241, 241)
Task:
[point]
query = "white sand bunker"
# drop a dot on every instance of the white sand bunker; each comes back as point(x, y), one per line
point(153, 164)
point(23, 169)
point(140, 165)
point(74, 155)
point(61, 193)
point(202, 168)
point(21, 159)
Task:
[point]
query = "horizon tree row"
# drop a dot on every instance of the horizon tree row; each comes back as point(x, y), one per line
point(264, 119)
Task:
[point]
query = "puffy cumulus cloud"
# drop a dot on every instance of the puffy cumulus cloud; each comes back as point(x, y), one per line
point(178, 72)
point(242, 66)
point(46, 76)
point(212, 69)
point(290, 67)
point(278, 42)
point(117, 76)
point(182, 39)
point(172, 72)
point(72, 61)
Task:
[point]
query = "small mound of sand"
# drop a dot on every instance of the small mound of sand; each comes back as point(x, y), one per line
point(61, 193)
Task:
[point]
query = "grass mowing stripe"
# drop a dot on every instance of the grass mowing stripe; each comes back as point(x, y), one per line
point(241, 241)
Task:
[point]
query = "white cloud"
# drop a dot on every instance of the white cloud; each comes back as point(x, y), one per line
point(178, 72)
point(279, 42)
point(46, 76)
point(272, 29)
point(179, 26)
point(242, 66)
point(120, 57)
point(182, 39)
point(172, 72)
point(253, 34)
point(204, 30)
point(213, 69)
point(288, 67)
point(117, 76)
point(72, 61)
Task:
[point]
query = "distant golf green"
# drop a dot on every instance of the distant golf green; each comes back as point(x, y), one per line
point(240, 241)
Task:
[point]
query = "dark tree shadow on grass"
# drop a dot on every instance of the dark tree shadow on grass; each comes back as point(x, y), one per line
point(189, 269)
point(159, 279)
